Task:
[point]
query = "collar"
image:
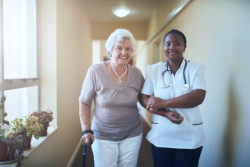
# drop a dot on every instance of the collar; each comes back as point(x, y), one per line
point(167, 68)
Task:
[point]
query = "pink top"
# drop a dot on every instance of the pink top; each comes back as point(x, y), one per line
point(116, 114)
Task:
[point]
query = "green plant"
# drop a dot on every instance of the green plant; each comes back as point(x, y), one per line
point(2, 136)
point(16, 136)
point(4, 114)
point(44, 116)
point(16, 145)
point(3, 130)
point(29, 126)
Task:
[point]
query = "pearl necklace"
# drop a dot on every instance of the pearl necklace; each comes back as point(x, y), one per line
point(119, 78)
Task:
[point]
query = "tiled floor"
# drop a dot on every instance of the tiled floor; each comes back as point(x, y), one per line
point(144, 160)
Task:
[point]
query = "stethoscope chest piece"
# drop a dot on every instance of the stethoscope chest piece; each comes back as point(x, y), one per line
point(185, 87)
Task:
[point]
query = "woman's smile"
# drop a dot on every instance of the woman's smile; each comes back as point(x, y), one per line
point(124, 58)
point(172, 52)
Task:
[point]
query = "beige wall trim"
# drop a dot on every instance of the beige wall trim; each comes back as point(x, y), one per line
point(73, 157)
point(174, 12)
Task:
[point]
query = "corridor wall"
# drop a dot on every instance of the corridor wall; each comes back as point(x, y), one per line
point(102, 30)
point(217, 35)
point(161, 11)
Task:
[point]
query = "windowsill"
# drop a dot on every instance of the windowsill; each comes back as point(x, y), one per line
point(35, 144)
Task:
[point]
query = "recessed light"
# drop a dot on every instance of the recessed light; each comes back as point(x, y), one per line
point(121, 12)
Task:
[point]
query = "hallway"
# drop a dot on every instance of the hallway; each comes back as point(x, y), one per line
point(67, 33)
point(144, 160)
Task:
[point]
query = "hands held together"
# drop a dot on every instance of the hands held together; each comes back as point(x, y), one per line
point(156, 105)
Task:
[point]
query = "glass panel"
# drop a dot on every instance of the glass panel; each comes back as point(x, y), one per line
point(20, 102)
point(19, 37)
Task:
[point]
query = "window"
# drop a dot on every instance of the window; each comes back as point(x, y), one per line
point(19, 73)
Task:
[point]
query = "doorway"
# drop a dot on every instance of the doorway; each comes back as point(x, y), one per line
point(157, 49)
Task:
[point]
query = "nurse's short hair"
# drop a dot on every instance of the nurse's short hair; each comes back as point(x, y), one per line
point(173, 31)
point(118, 36)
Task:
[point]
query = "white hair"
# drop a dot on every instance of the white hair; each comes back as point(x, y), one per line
point(118, 36)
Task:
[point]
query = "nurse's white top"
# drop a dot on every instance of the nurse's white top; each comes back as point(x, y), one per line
point(189, 134)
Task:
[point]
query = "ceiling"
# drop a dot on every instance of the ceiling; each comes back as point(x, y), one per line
point(100, 10)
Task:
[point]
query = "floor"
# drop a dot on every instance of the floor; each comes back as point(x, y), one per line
point(144, 160)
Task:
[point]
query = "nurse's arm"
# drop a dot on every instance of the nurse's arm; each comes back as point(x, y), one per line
point(189, 100)
point(172, 116)
point(143, 99)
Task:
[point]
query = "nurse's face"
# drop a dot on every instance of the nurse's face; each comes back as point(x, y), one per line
point(174, 47)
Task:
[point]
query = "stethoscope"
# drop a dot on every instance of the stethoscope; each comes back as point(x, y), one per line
point(185, 86)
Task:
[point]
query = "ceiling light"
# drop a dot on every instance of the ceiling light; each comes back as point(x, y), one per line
point(121, 12)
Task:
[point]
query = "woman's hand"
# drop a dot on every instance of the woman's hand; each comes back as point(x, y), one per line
point(152, 110)
point(85, 138)
point(155, 102)
point(174, 117)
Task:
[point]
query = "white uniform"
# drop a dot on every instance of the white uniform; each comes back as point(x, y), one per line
point(189, 134)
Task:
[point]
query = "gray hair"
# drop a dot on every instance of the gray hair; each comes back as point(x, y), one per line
point(118, 36)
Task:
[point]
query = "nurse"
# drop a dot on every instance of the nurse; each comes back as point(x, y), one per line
point(172, 92)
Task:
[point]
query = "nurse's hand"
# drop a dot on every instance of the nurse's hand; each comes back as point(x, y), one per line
point(174, 117)
point(155, 102)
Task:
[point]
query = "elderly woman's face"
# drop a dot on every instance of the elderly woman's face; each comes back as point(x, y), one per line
point(121, 52)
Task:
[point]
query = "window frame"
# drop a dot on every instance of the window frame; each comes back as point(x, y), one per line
point(17, 83)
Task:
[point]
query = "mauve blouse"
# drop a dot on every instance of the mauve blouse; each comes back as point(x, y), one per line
point(116, 114)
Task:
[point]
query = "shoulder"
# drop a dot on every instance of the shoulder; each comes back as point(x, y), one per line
point(96, 67)
point(135, 70)
point(196, 69)
point(195, 66)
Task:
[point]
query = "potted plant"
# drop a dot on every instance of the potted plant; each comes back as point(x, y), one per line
point(16, 145)
point(12, 148)
point(44, 118)
point(28, 127)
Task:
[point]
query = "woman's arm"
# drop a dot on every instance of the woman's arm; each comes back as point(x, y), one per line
point(84, 114)
point(189, 100)
point(172, 116)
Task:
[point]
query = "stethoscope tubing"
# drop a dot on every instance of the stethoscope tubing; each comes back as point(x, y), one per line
point(184, 72)
point(184, 77)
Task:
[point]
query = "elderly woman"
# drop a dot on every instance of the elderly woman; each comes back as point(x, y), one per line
point(173, 91)
point(115, 87)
